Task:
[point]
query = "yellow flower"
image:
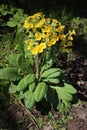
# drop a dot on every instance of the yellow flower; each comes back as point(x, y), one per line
point(28, 47)
point(63, 43)
point(37, 36)
point(26, 24)
point(70, 38)
point(31, 42)
point(55, 21)
point(35, 50)
point(43, 45)
point(60, 28)
point(54, 36)
point(47, 29)
point(30, 35)
point(69, 43)
point(37, 15)
point(42, 35)
point(73, 32)
point(53, 41)
point(48, 35)
point(67, 50)
point(40, 24)
point(47, 39)
point(30, 25)
point(49, 43)
point(63, 37)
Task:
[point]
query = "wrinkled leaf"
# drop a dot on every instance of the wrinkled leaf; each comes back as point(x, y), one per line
point(54, 81)
point(12, 23)
point(28, 79)
point(40, 91)
point(12, 88)
point(29, 100)
point(9, 73)
point(64, 95)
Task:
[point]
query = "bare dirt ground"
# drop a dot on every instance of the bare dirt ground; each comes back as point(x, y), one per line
point(79, 121)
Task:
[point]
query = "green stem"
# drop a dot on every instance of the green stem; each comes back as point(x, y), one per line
point(37, 66)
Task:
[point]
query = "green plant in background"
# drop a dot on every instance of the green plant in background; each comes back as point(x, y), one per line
point(14, 17)
point(53, 121)
point(11, 18)
point(32, 74)
point(17, 20)
point(80, 25)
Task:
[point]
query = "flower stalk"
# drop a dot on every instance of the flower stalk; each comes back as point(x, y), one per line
point(37, 66)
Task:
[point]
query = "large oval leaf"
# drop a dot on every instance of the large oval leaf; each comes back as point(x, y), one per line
point(28, 79)
point(54, 75)
point(9, 73)
point(12, 23)
point(64, 95)
point(29, 100)
point(40, 91)
point(69, 88)
point(48, 72)
point(54, 81)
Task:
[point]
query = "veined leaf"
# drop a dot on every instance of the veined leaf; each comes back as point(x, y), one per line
point(47, 65)
point(66, 88)
point(28, 79)
point(27, 93)
point(24, 65)
point(12, 23)
point(69, 88)
point(64, 95)
point(29, 100)
point(40, 91)
point(49, 72)
point(12, 88)
point(13, 59)
point(32, 86)
point(56, 74)
point(9, 73)
point(52, 80)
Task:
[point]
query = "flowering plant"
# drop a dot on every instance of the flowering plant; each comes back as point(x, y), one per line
point(45, 32)
point(39, 79)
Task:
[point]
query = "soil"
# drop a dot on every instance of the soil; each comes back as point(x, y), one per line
point(76, 69)
point(79, 121)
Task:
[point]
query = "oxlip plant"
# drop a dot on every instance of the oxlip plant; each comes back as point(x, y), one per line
point(32, 74)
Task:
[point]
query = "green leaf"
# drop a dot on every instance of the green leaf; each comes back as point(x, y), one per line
point(40, 91)
point(55, 80)
point(13, 59)
point(21, 95)
point(12, 88)
point(18, 60)
point(9, 73)
point(27, 93)
point(47, 65)
point(17, 17)
point(29, 99)
point(69, 88)
point(12, 23)
point(64, 95)
point(50, 71)
point(56, 74)
point(24, 65)
point(28, 79)
point(32, 86)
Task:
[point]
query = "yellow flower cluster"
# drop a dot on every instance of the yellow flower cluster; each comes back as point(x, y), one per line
point(66, 43)
point(44, 32)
